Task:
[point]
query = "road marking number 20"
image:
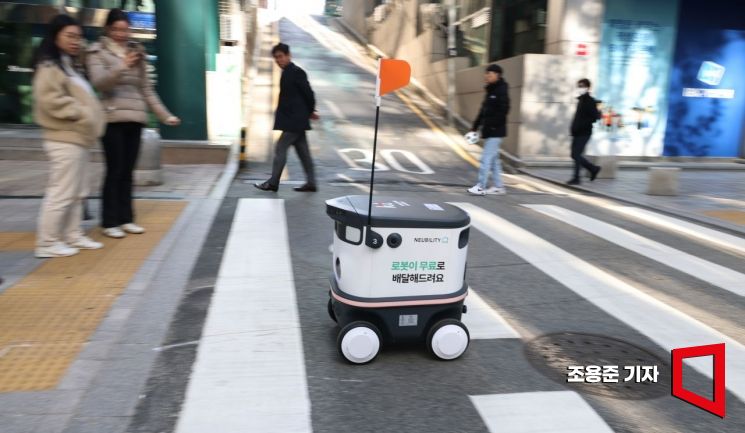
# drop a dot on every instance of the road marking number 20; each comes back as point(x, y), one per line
point(361, 159)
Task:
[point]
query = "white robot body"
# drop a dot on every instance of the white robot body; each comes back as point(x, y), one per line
point(427, 263)
point(399, 276)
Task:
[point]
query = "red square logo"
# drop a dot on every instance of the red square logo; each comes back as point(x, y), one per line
point(718, 405)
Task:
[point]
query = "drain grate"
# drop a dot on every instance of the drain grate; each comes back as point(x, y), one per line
point(551, 355)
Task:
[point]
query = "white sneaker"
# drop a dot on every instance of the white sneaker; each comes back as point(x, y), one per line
point(114, 232)
point(477, 190)
point(60, 249)
point(86, 243)
point(496, 190)
point(132, 228)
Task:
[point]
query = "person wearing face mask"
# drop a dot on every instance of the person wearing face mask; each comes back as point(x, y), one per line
point(117, 69)
point(71, 118)
point(586, 115)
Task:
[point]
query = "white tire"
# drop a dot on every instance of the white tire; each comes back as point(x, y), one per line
point(359, 342)
point(448, 339)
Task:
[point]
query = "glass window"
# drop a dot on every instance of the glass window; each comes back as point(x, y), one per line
point(473, 30)
point(519, 27)
point(17, 44)
point(39, 2)
point(129, 5)
point(18, 41)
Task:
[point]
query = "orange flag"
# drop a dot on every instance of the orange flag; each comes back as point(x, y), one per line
point(392, 74)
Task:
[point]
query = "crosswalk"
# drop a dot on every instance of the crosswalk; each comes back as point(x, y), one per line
point(250, 373)
point(705, 270)
point(664, 325)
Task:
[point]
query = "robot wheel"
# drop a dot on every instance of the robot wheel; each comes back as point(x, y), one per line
point(359, 342)
point(448, 339)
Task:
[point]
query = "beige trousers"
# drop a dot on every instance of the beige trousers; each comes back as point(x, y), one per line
point(62, 208)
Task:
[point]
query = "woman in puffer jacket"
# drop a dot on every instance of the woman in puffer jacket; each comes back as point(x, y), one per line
point(71, 117)
point(117, 69)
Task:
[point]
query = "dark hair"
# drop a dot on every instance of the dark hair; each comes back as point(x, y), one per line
point(281, 47)
point(48, 49)
point(494, 68)
point(116, 15)
point(584, 83)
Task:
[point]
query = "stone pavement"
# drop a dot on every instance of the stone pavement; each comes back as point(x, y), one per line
point(65, 322)
point(713, 196)
point(28, 179)
point(22, 186)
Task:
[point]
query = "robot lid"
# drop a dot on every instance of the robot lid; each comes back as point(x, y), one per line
point(404, 212)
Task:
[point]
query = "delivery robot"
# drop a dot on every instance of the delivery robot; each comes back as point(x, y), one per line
point(398, 275)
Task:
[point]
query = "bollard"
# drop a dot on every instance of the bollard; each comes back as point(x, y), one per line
point(148, 171)
point(608, 166)
point(663, 181)
point(242, 154)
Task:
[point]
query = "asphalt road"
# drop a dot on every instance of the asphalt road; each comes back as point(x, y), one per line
point(405, 389)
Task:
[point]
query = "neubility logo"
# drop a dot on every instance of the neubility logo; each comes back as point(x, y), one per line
point(710, 73)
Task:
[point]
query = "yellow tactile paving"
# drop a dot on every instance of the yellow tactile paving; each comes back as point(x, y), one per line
point(47, 316)
point(17, 241)
point(735, 216)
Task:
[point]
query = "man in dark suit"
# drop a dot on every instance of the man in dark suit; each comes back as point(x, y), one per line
point(586, 115)
point(295, 110)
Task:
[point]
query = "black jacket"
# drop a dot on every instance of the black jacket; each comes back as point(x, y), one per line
point(296, 101)
point(494, 109)
point(587, 113)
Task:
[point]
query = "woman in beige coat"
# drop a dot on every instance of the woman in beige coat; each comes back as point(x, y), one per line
point(71, 118)
point(117, 69)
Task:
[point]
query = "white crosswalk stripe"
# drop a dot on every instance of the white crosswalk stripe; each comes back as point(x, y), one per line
point(249, 375)
point(536, 412)
point(483, 322)
point(704, 270)
point(676, 225)
point(664, 325)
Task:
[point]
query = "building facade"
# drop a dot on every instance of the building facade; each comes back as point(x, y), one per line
point(189, 54)
point(670, 73)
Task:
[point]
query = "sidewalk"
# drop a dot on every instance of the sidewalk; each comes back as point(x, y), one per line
point(22, 186)
point(65, 322)
point(28, 179)
point(713, 196)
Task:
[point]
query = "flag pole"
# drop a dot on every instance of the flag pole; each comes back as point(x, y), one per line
point(375, 146)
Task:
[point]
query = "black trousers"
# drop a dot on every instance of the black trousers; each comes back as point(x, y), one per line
point(578, 148)
point(121, 145)
point(299, 140)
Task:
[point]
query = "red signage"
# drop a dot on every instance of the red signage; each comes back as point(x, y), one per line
point(716, 406)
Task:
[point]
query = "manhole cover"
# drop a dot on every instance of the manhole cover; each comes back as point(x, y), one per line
point(552, 354)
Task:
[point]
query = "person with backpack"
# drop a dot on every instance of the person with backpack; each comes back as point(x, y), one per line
point(581, 129)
